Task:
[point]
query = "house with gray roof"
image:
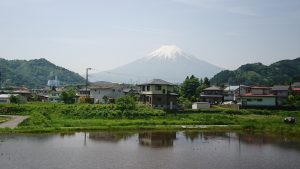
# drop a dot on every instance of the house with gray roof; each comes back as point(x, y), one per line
point(212, 95)
point(159, 94)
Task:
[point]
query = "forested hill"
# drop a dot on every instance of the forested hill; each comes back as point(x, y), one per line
point(282, 72)
point(34, 73)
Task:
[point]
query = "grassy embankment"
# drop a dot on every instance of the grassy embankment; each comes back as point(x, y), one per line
point(51, 117)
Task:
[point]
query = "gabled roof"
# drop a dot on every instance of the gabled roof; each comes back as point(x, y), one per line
point(213, 88)
point(280, 87)
point(157, 82)
point(105, 86)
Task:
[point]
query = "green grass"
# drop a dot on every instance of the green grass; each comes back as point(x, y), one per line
point(3, 119)
point(49, 117)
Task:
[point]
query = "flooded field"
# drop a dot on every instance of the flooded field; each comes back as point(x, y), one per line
point(148, 150)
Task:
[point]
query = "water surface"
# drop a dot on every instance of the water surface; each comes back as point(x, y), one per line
point(148, 150)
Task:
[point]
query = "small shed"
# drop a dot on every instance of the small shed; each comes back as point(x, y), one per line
point(5, 98)
point(200, 105)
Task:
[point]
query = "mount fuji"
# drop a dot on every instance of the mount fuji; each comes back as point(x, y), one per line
point(168, 63)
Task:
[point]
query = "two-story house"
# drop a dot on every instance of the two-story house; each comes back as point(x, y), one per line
point(281, 92)
point(258, 96)
point(159, 94)
point(212, 95)
point(110, 90)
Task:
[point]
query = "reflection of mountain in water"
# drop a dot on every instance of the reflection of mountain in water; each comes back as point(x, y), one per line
point(109, 136)
point(157, 139)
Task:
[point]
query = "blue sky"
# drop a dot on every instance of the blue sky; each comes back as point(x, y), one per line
point(104, 34)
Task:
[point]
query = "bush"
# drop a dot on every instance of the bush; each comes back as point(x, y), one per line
point(68, 97)
point(37, 119)
point(185, 103)
point(125, 103)
point(17, 99)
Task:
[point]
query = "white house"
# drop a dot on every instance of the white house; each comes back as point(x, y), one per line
point(110, 90)
point(5, 98)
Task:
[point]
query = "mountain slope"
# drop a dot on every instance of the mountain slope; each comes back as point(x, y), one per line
point(35, 73)
point(281, 72)
point(168, 62)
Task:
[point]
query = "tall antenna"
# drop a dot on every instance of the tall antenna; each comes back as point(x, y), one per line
point(0, 79)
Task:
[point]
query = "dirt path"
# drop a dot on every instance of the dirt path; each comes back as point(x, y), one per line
point(13, 122)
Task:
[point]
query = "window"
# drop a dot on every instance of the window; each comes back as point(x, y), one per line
point(164, 91)
point(148, 88)
point(143, 88)
point(157, 87)
point(249, 100)
point(259, 100)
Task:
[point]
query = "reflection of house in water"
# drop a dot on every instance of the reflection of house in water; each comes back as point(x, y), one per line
point(157, 139)
point(194, 135)
point(109, 136)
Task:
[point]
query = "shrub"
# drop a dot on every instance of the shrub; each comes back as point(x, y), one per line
point(125, 103)
point(37, 119)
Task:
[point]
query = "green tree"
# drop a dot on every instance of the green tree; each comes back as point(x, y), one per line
point(125, 103)
point(14, 99)
point(185, 103)
point(68, 97)
point(189, 88)
point(206, 82)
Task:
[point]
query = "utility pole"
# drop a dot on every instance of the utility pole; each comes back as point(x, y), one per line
point(0, 79)
point(87, 81)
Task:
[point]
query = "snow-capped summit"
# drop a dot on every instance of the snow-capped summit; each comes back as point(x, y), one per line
point(169, 63)
point(166, 52)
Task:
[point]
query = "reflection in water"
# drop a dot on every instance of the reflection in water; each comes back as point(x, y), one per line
point(281, 141)
point(69, 134)
point(192, 149)
point(109, 136)
point(191, 135)
point(195, 135)
point(157, 139)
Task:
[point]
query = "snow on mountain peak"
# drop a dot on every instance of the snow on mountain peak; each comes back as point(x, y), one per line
point(166, 52)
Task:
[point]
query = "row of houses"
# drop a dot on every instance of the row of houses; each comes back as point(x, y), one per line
point(250, 95)
point(158, 93)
